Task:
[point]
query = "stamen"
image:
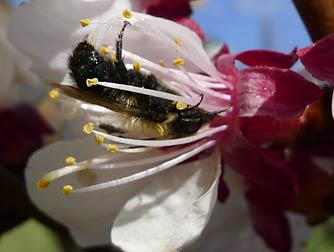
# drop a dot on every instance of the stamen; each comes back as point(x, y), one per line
point(154, 170)
point(150, 92)
point(137, 66)
point(91, 82)
point(70, 160)
point(88, 128)
point(104, 50)
point(127, 14)
point(164, 143)
point(112, 148)
point(178, 41)
point(67, 190)
point(150, 160)
point(181, 106)
point(43, 183)
point(178, 62)
point(85, 22)
point(54, 94)
point(99, 139)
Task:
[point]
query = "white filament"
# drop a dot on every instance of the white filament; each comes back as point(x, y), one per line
point(149, 172)
point(164, 143)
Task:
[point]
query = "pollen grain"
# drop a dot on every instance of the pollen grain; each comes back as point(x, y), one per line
point(88, 128)
point(178, 62)
point(67, 190)
point(127, 14)
point(54, 94)
point(85, 22)
point(70, 160)
point(92, 82)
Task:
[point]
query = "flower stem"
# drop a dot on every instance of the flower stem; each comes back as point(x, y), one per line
point(318, 16)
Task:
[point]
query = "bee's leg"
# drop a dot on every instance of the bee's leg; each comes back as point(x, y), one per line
point(120, 66)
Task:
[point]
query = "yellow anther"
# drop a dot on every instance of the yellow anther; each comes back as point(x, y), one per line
point(178, 62)
point(67, 190)
point(181, 106)
point(104, 50)
point(162, 63)
point(178, 41)
point(91, 82)
point(85, 22)
point(160, 129)
point(43, 183)
point(99, 139)
point(91, 42)
point(70, 160)
point(88, 128)
point(112, 148)
point(127, 13)
point(137, 66)
point(54, 94)
point(114, 57)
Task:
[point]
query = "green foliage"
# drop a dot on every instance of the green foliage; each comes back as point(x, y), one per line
point(322, 238)
point(31, 236)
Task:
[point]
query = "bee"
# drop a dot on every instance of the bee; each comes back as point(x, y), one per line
point(142, 110)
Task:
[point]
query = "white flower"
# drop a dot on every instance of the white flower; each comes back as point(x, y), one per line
point(150, 199)
point(14, 66)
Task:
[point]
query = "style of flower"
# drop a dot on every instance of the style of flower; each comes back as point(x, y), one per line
point(155, 195)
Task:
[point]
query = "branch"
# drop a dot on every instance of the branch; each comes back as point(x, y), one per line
point(318, 16)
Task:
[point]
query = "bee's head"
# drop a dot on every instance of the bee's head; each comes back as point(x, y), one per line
point(85, 63)
point(191, 120)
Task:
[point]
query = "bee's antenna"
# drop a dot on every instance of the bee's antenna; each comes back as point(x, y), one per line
point(199, 103)
point(119, 42)
point(119, 64)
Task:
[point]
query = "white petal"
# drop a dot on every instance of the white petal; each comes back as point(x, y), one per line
point(45, 30)
point(153, 38)
point(7, 61)
point(172, 210)
point(89, 216)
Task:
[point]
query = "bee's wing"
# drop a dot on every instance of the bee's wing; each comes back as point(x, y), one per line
point(86, 96)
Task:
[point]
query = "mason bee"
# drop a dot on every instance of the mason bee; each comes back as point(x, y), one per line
point(86, 63)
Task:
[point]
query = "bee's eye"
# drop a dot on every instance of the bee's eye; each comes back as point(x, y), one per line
point(188, 125)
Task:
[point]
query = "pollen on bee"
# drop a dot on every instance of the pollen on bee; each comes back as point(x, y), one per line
point(178, 62)
point(43, 183)
point(67, 190)
point(70, 160)
point(181, 105)
point(85, 22)
point(54, 94)
point(162, 63)
point(92, 82)
point(137, 66)
point(178, 41)
point(99, 139)
point(112, 148)
point(88, 128)
point(104, 50)
point(114, 57)
point(159, 128)
point(127, 13)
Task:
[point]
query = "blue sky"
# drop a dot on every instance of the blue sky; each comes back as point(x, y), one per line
point(252, 24)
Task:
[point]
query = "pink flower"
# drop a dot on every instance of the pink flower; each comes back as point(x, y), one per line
point(286, 158)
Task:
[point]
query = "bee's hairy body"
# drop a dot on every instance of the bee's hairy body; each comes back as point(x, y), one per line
point(87, 63)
